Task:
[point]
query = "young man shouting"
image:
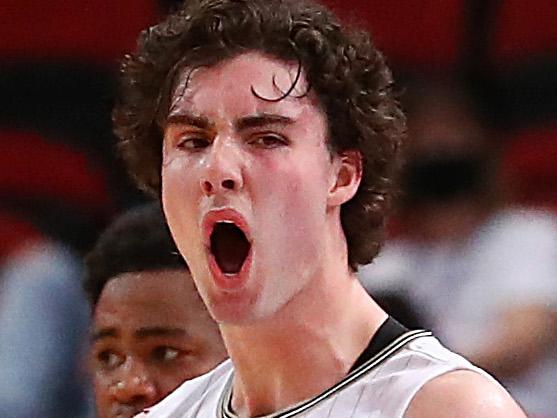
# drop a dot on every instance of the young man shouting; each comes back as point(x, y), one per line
point(271, 133)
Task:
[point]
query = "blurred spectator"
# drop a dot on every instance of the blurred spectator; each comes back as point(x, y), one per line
point(43, 323)
point(151, 331)
point(483, 275)
point(61, 180)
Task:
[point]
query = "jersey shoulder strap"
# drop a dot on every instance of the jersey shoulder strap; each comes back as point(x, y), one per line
point(388, 332)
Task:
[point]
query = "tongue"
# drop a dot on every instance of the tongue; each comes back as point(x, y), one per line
point(230, 247)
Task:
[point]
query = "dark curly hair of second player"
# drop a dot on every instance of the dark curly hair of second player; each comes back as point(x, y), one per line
point(345, 71)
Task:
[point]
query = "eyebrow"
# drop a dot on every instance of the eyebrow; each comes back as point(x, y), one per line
point(159, 331)
point(104, 333)
point(262, 119)
point(185, 118)
point(246, 122)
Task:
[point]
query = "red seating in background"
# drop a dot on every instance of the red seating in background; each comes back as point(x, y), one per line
point(34, 167)
point(97, 30)
point(524, 28)
point(529, 161)
point(15, 233)
point(424, 33)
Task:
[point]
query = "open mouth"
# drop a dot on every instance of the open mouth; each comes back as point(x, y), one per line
point(229, 246)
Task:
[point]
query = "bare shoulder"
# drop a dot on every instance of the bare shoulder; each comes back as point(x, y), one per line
point(463, 394)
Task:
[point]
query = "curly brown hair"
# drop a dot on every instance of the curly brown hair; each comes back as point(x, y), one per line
point(346, 72)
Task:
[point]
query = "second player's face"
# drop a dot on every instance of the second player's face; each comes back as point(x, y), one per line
point(151, 333)
point(245, 184)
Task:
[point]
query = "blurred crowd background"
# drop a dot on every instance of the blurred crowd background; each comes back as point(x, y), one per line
point(472, 250)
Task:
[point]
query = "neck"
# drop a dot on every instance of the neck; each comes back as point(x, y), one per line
point(304, 348)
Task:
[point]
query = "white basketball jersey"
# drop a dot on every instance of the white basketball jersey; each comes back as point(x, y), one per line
point(382, 387)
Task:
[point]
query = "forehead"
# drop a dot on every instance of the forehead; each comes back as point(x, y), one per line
point(147, 298)
point(246, 84)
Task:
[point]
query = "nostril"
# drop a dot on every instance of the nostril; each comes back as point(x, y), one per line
point(207, 186)
point(228, 184)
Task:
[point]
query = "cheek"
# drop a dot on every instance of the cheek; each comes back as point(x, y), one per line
point(176, 176)
point(180, 198)
point(168, 378)
point(295, 194)
point(178, 194)
point(102, 393)
point(168, 381)
point(299, 182)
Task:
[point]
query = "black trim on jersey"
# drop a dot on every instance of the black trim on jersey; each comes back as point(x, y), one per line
point(385, 334)
point(374, 354)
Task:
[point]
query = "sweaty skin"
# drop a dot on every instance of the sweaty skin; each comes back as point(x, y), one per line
point(274, 158)
point(295, 318)
point(227, 150)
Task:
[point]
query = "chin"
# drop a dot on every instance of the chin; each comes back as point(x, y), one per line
point(233, 309)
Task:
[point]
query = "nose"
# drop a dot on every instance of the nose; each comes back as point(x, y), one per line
point(134, 386)
point(222, 168)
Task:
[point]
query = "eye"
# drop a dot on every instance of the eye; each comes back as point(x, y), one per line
point(268, 141)
point(109, 359)
point(164, 353)
point(194, 143)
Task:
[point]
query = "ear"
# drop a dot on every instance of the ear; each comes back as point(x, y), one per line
point(347, 176)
